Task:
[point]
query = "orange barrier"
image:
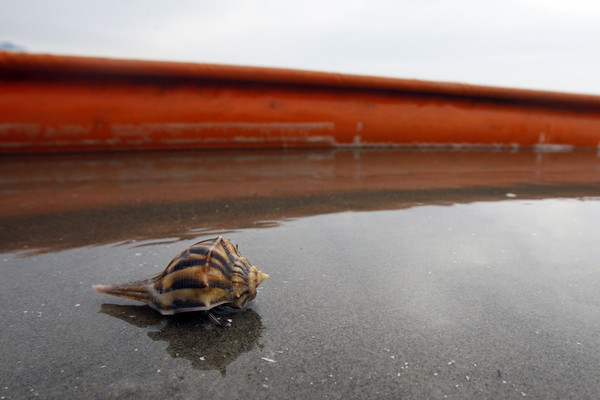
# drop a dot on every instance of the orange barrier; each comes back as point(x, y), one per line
point(63, 104)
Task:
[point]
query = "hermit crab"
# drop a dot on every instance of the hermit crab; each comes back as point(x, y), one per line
point(208, 275)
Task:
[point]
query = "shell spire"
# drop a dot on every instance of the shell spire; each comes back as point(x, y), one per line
point(137, 290)
point(209, 274)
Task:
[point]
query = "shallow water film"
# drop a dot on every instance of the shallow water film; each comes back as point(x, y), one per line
point(393, 274)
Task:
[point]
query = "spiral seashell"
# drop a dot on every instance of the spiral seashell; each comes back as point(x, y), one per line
point(209, 274)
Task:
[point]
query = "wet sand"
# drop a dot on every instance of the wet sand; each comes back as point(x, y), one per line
point(455, 289)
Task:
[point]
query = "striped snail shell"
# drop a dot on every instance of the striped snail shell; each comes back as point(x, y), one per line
point(209, 274)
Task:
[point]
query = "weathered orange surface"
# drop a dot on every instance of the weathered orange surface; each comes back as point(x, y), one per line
point(62, 104)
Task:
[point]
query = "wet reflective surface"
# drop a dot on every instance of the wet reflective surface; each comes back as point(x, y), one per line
point(82, 200)
point(193, 336)
point(417, 274)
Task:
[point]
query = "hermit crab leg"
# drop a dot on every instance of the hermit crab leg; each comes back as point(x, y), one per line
point(213, 318)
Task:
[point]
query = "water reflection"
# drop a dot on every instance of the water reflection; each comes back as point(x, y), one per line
point(53, 203)
point(193, 337)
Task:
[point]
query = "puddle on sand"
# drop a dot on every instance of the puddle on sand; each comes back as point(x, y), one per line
point(423, 293)
point(48, 203)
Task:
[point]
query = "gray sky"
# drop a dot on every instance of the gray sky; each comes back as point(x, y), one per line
point(540, 44)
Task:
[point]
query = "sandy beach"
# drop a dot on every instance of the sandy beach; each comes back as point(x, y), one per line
point(462, 275)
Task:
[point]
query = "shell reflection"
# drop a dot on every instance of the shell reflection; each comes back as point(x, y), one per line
point(193, 337)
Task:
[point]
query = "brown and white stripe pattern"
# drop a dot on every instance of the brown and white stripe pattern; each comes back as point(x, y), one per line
point(206, 275)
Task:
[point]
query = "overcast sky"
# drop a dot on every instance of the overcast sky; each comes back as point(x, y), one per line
point(540, 44)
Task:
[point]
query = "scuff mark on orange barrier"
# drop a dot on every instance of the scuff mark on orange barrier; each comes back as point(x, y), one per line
point(65, 104)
